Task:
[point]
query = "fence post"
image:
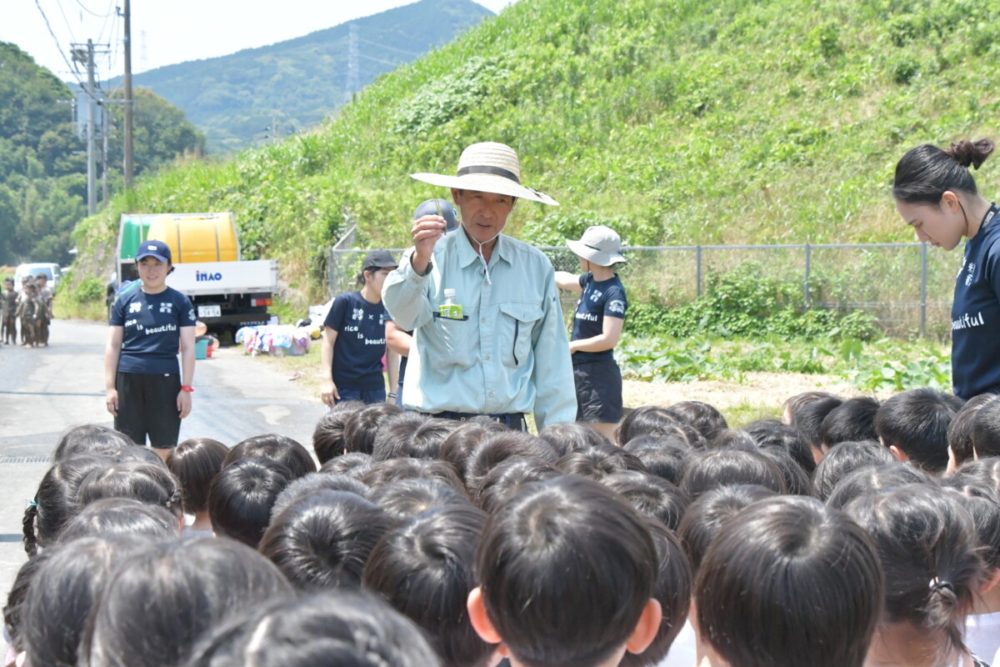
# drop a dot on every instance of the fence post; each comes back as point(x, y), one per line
point(332, 272)
point(697, 265)
point(805, 286)
point(923, 290)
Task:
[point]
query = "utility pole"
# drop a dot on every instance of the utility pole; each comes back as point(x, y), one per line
point(104, 157)
point(85, 55)
point(129, 166)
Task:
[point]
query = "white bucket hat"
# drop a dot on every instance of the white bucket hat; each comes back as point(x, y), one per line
point(599, 245)
point(488, 167)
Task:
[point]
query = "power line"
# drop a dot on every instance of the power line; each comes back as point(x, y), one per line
point(391, 48)
point(89, 11)
point(71, 69)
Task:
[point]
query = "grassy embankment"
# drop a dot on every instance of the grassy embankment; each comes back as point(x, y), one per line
point(676, 122)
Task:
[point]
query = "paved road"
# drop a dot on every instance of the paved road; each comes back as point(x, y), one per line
point(45, 391)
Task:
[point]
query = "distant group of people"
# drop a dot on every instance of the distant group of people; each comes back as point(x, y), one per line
point(852, 533)
point(31, 309)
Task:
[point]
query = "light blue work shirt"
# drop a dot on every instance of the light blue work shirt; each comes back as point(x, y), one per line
point(508, 355)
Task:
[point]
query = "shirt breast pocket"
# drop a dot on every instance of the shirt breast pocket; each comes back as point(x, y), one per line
point(516, 323)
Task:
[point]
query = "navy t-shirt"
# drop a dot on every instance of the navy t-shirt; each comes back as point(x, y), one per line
point(606, 297)
point(975, 314)
point(357, 354)
point(152, 324)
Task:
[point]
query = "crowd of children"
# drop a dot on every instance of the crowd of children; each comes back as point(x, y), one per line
point(851, 533)
point(30, 310)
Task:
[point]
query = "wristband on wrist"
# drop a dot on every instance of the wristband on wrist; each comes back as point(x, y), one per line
point(392, 395)
point(188, 388)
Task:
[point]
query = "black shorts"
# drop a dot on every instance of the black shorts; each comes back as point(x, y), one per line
point(598, 391)
point(147, 406)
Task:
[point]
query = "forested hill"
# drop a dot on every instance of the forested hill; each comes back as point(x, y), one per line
point(43, 183)
point(676, 121)
point(239, 99)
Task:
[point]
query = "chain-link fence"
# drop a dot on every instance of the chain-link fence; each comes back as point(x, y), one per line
point(904, 286)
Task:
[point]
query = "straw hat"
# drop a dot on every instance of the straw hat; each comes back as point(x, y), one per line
point(599, 245)
point(488, 167)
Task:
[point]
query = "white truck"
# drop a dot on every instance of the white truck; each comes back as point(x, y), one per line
point(227, 291)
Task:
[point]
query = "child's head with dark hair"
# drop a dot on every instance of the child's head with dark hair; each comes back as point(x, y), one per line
point(654, 420)
point(323, 541)
point(985, 471)
point(63, 592)
point(960, 446)
point(338, 627)
point(843, 459)
point(706, 515)
point(986, 430)
point(328, 436)
point(789, 582)
point(278, 448)
point(851, 421)
point(726, 467)
point(797, 482)
point(914, 426)
point(112, 517)
point(55, 500)
point(90, 439)
point(362, 426)
point(409, 497)
point(162, 599)
point(772, 434)
point(651, 496)
point(598, 463)
point(17, 599)
point(241, 497)
point(703, 417)
point(145, 482)
point(499, 447)
point(396, 470)
point(808, 419)
point(314, 482)
point(597, 607)
point(569, 437)
point(927, 544)
point(672, 589)
point(984, 507)
point(410, 434)
point(867, 480)
point(792, 405)
point(733, 439)
point(665, 456)
point(460, 443)
point(424, 568)
point(352, 464)
point(507, 478)
point(195, 462)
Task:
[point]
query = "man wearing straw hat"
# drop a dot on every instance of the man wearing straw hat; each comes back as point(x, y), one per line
point(488, 327)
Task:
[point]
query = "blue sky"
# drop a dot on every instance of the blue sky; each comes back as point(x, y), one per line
point(165, 32)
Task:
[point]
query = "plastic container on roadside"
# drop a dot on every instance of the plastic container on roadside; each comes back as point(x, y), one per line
point(201, 349)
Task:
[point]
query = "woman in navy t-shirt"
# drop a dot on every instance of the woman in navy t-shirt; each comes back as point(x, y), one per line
point(597, 326)
point(937, 196)
point(354, 337)
point(147, 391)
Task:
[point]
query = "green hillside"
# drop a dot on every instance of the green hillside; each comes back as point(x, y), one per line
point(235, 99)
point(676, 121)
point(43, 182)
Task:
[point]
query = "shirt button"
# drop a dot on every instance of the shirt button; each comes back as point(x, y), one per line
point(491, 394)
point(483, 320)
point(487, 357)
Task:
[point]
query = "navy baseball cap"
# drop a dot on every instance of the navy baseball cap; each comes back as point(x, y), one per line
point(440, 207)
point(157, 249)
point(379, 259)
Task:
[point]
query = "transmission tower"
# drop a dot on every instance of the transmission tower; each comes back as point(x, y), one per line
point(353, 63)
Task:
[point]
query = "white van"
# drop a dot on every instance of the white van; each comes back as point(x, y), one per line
point(51, 270)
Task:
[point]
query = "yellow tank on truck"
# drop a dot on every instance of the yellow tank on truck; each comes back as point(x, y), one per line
point(197, 237)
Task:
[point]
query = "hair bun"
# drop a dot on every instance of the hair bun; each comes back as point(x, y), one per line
point(971, 153)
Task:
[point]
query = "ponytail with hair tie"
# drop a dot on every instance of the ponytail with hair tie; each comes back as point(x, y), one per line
point(970, 153)
point(28, 529)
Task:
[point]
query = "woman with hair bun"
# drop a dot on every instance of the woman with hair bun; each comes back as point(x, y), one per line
point(937, 196)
